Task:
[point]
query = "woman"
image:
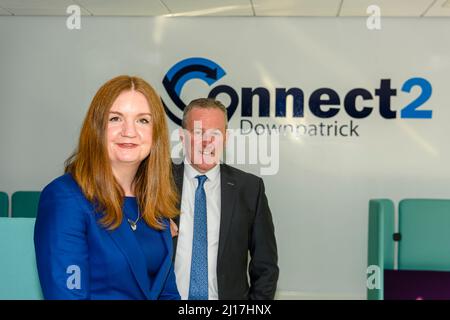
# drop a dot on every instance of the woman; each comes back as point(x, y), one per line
point(102, 229)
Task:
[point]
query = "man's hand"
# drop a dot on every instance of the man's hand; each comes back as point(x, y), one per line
point(173, 229)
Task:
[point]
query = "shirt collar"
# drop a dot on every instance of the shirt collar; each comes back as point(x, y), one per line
point(191, 172)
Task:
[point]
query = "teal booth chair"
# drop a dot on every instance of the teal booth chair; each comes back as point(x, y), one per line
point(18, 273)
point(4, 204)
point(423, 236)
point(24, 204)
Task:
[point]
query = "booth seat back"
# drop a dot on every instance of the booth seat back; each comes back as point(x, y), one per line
point(4, 204)
point(18, 273)
point(24, 204)
point(424, 226)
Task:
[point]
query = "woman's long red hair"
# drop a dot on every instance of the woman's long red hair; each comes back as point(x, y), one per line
point(90, 165)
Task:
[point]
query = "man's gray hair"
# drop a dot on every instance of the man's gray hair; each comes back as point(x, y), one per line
point(204, 103)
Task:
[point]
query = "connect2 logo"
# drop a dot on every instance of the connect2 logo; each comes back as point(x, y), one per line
point(323, 103)
point(182, 72)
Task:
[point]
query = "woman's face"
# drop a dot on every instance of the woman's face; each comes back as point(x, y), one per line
point(129, 130)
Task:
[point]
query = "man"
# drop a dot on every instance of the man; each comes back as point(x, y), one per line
point(224, 217)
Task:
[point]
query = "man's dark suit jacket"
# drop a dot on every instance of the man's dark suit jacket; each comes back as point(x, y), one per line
point(245, 226)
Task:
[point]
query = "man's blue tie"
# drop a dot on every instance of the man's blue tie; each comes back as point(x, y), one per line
point(198, 287)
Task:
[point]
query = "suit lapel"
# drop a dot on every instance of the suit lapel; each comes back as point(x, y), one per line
point(228, 197)
point(178, 175)
point(161, 276)
point(129, 246)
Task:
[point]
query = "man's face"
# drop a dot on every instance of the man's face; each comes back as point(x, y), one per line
point(204, 138)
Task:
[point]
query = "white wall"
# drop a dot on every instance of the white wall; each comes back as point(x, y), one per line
point(319, 198)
